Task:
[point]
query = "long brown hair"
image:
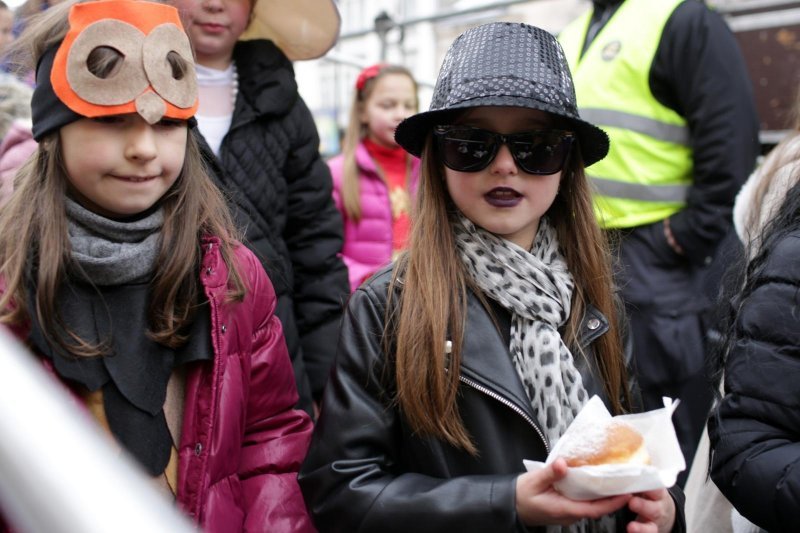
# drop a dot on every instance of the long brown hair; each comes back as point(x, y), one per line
point(35, 247)
point(431, 307)
point(355, 132)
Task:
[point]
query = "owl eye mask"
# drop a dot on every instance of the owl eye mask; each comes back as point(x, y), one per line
point(142, 35)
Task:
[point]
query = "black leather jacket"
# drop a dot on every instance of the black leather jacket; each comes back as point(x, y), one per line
point(366, 470)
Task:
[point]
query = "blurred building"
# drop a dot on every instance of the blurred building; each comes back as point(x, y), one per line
point(417, 33)
point(414, 33)
point(768, 32)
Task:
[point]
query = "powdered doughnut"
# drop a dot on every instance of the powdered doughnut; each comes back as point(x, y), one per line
point(609, 442)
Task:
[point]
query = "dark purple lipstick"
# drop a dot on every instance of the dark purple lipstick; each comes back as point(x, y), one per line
point(503, 197)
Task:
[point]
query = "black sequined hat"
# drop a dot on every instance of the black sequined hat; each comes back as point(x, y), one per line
point(504, 64)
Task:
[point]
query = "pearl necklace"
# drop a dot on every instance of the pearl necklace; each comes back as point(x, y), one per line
point(234, 85)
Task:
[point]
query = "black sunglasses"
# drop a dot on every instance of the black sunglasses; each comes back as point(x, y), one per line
point(468, 149)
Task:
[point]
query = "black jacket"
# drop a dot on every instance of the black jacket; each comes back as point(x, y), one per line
point(367, 471)
point(269, 163)
point(699, 72)
point(756, 436)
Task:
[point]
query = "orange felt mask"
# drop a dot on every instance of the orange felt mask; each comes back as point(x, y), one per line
point(144, 83)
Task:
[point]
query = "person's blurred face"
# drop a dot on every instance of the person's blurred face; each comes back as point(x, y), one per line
point(214, 26)
point(6, 27)
point(393, 98)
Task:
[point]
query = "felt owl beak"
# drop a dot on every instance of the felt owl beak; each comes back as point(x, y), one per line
point(150, 107)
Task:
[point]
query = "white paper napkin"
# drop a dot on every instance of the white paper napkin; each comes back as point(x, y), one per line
point(599, 481)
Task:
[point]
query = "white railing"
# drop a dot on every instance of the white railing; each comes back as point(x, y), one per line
point(58, 472)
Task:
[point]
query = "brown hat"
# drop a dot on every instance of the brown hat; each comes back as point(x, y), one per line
point(504, 64)
point(302, 29)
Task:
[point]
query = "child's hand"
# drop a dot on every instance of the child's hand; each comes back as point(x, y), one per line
point(538, 503)
point(655, 512)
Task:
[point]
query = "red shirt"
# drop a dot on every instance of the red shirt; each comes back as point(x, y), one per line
point(393, 163)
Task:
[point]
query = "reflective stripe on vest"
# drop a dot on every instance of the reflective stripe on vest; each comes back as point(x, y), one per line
point(637, 191)
point(659, 130)
point(648, 170)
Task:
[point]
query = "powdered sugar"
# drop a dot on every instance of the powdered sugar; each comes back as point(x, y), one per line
point(587, 439)
point(596, 481)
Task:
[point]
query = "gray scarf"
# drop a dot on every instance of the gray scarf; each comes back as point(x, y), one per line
point(112, 252)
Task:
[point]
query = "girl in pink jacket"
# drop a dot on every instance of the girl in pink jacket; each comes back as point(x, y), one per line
point(374, 178)
point(121, 270)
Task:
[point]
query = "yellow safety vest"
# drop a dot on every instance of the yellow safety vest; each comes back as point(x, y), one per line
point(648, 170)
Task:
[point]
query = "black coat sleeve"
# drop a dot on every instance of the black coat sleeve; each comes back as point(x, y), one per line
point(755, 435)
point(314, 236)
point(353, 478)
point(700, 73)
point(241, 211)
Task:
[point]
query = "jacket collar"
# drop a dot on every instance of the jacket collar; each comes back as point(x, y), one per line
point(593, 325)
point(364, 161)
point(367, 164)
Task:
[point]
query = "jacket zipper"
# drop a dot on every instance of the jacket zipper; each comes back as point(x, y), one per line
point(509, 404)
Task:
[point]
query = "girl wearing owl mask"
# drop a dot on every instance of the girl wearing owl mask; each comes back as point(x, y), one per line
point(121, 269)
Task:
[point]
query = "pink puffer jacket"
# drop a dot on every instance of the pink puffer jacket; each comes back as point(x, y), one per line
point(242, 441)
point(368, 242)
point(17, 146)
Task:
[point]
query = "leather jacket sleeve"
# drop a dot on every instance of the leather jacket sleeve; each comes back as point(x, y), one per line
point(354, 477)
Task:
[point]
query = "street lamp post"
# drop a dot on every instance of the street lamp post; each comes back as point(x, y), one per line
point(383, 23)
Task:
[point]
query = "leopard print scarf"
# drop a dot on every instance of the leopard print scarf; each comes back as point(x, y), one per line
point(536, 287)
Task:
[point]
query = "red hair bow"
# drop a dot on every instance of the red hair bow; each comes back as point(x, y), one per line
point(367, 74)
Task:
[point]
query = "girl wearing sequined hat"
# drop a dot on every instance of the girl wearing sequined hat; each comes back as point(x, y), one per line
point(262, 146)
point(121, 269)
point(479, 346)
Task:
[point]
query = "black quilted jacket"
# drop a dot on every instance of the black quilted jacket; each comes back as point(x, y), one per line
point(269, 164)
point(756, 433)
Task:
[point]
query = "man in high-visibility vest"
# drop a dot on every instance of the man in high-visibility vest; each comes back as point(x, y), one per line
point(668, 83)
